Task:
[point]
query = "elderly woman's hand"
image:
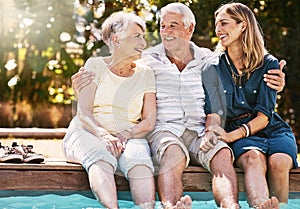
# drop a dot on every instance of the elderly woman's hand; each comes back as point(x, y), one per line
point(114, 145)
point(124, 136)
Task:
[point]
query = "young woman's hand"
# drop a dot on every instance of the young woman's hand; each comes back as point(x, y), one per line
point(220, 133)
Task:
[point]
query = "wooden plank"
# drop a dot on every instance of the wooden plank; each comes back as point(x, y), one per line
point(58, 175)
point(200, 182)
point(49, 164)
point(36, 133)
point(295, 180)
point(43, 180)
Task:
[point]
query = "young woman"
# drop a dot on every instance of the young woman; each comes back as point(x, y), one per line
point(263, 144)
point(115, 112)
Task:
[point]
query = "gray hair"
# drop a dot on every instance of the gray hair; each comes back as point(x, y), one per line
point(117, 24)
point(179, 8)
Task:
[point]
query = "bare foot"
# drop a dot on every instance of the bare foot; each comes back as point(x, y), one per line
point(272, 203)
point(234, 206)
point(147, 205)
point(184, 203)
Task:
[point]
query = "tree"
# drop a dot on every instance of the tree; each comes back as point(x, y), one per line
point(32, 40)
point(49, 41)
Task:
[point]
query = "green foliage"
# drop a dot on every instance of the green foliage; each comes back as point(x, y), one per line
point(46, 63)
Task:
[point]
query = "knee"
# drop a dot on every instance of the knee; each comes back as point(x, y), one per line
point(140, 172)
point(222, 163)
point(280, 162)
point(223, 156)
point(173, 158)
point(253, 159)
point(174, 153)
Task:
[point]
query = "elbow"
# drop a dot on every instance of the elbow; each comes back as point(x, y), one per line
point(147, 124)
point(261, 121)
point(266, 123)
point(149, 127)
point(152, 122)
point(80, 116)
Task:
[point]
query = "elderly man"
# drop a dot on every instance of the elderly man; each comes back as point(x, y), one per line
point(179, 137)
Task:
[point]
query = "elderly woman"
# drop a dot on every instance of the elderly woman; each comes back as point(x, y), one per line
point(115, 113)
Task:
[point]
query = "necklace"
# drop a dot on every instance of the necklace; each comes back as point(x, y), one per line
point(238, 79)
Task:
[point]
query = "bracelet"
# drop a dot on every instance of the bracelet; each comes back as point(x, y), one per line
point(244, 130)
point(249, 128)
point(245, 126)
point(129, 131)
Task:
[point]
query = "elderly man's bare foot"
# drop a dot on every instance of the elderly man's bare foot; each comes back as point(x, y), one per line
point(184, 203)
point(233, 206)
point(147, 205)
point(272, 203)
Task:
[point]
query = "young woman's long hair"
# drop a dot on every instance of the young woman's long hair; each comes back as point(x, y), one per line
point(252, 38)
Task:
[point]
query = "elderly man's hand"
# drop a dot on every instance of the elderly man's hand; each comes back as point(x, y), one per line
point(208, 141)
point(276, 78)
point(81, 79)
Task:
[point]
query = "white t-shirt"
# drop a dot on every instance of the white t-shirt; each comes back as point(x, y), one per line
point(180, 96)
point(119, 100)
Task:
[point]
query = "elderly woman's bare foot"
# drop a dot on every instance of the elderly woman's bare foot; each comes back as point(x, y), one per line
point(184, 203)
point(272, 203)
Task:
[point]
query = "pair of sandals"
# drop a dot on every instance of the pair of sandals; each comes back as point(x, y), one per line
point(19, 154)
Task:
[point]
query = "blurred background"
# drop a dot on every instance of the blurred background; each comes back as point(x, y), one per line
point(43, 43)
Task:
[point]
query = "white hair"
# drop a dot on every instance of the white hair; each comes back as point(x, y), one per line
point(179, 8)
point(117, 24)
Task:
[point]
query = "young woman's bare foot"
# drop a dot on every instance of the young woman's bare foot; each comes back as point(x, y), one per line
point(272, 203)
point(184, 203)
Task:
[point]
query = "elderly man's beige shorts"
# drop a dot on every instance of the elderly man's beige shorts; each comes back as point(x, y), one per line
point(189, 143)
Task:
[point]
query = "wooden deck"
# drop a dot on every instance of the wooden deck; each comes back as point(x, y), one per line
point(55, 174)
point(58, 175)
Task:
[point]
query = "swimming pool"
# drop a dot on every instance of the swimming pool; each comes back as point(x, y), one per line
point(85, 200)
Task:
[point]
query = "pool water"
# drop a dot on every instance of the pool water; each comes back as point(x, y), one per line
point(201, 200)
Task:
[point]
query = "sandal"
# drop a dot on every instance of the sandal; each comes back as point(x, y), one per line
point(28, 155)
point(9, 155)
